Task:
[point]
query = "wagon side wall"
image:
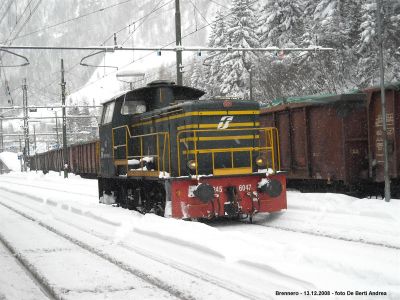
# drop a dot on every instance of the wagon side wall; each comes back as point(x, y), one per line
point(321, 142)
point(376, 148)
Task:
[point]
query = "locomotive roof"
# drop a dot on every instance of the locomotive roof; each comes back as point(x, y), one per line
point(147, 93)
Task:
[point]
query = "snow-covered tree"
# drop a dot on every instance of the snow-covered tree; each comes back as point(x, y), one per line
point(241, 32)
point(198, 79)
point(284, 23)
point(348, 26)
point(84, 131)
point(214, 71)
point(281, 23)
point(72, 124)
point(369, 41)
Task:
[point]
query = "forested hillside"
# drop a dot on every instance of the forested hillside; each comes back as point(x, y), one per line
point(83, 23)
point(348, 26)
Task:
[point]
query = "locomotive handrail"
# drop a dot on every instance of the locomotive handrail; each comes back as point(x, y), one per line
point(271, 136)
point(160, 154)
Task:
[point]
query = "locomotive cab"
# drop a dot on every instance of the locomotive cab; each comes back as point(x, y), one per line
point(122, 118)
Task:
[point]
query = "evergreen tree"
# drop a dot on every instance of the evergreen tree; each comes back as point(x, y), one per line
point(281, 23)
point(84, 122)
point(241, 32)
point(72, 125)
point(197, 79)
point(214, 69)
point(368, 42)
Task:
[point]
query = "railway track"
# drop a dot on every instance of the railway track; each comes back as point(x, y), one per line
point(326, 235)
point(330, 236)
point(85, 252)
point(27, 269)
point(201, 278)
point(63, 190)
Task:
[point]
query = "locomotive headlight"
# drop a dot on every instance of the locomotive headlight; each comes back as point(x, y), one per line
point(191, 165)
point(260, 161)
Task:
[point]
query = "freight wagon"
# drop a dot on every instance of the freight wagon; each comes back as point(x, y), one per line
point(335, 142)
point(323, 139)
point(82, 159)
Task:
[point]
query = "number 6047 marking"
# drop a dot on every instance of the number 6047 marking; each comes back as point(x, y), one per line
point(244, 187)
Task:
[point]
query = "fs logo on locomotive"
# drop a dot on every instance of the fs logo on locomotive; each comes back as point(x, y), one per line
point(224, 122)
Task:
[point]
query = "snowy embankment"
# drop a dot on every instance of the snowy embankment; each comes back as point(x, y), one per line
point(323, 242)
point(10, 159)
point(371, 221)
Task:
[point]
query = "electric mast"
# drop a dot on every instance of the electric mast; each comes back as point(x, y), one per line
point(178, 43)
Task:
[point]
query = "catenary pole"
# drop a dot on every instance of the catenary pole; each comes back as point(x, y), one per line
point(251, 82)
point(26, 128)
point(383, 102)
point(1, 138)
point(178, 43)
point(58, 141)
point(20, 150)
point(64, 128)
point(34, 140)
point(34, 137)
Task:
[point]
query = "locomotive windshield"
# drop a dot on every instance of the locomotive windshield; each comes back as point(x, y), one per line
point(133, 107)
point(108, 113)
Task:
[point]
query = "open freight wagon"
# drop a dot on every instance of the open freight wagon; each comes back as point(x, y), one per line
point(323, 139)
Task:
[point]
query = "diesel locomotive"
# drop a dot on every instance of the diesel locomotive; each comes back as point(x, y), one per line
point(165, 150)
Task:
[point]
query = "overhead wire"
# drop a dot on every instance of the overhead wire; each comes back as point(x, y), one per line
point(140, 58)
point(209, 24)
point(90, 13)
point(116, 32)
point(10, 41)
point(6, 86)
point(198, 10)
point(171, 43)
point(19, 19)
point(6, 11)
point(73, 19)
point(213, 1)
point(26, 21)
point(144, 18)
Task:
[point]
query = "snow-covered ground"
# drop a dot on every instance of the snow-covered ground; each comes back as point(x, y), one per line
point(10, 159)
point(80, 249)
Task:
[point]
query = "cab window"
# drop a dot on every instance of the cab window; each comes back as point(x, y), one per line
point(133, 107)
point(108, 113)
